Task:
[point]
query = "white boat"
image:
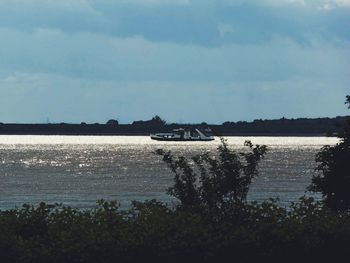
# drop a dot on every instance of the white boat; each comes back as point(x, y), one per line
point(182, 135)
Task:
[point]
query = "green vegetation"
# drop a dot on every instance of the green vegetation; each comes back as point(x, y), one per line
point(334, 180)
point(283, 126)
point(220, 185)
point(212, 222)
point(329, 126)
point(153, 231)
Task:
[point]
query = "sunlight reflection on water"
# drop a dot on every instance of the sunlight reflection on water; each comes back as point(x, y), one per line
point(78, 170)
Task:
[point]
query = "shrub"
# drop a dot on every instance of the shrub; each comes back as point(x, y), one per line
point(217, 184)
point(333, 181)
point(152, 231)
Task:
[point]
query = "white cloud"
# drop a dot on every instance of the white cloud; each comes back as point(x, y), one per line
point(311, 3)
point(337, 2)
point(332, 4)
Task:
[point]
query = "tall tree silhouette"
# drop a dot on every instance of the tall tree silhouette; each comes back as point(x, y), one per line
point(334, 164)
point(158, 120)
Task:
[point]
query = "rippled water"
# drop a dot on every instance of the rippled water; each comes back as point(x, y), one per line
point(78, 170)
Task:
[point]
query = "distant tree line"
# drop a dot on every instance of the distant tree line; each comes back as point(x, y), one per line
point(155, 121)
point(283, 126)
point(329, 126)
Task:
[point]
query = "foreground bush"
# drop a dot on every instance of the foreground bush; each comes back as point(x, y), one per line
point(153, 231)
point(333, 181)
point(214, 185)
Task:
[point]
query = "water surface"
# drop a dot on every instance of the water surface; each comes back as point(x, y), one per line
point(78, 170)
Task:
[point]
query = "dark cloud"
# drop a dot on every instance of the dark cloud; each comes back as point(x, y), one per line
point(193, 23)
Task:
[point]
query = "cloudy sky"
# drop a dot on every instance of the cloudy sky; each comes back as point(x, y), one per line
point(186, 60)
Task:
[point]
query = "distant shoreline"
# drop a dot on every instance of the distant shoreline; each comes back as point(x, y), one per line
point(281, 127)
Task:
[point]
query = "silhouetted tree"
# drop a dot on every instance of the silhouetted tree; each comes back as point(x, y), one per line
point(216, 183)
point(158, 120)
point(112, 122)
point(155, 121)
point(334, 164)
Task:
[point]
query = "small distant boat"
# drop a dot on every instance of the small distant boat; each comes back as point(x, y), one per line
point(182, 135)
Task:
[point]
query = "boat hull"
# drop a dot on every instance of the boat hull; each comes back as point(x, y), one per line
point(181, 135)
point(181, 139)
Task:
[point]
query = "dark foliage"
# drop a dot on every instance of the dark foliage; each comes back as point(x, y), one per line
point(155, 121)
point(333, 181)
point(151, 231)
point(112, 122)
point(283, 126)
point(217, 184)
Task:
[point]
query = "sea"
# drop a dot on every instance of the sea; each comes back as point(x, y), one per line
point(79, 170)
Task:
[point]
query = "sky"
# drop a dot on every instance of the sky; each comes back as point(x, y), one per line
point(185, 60)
